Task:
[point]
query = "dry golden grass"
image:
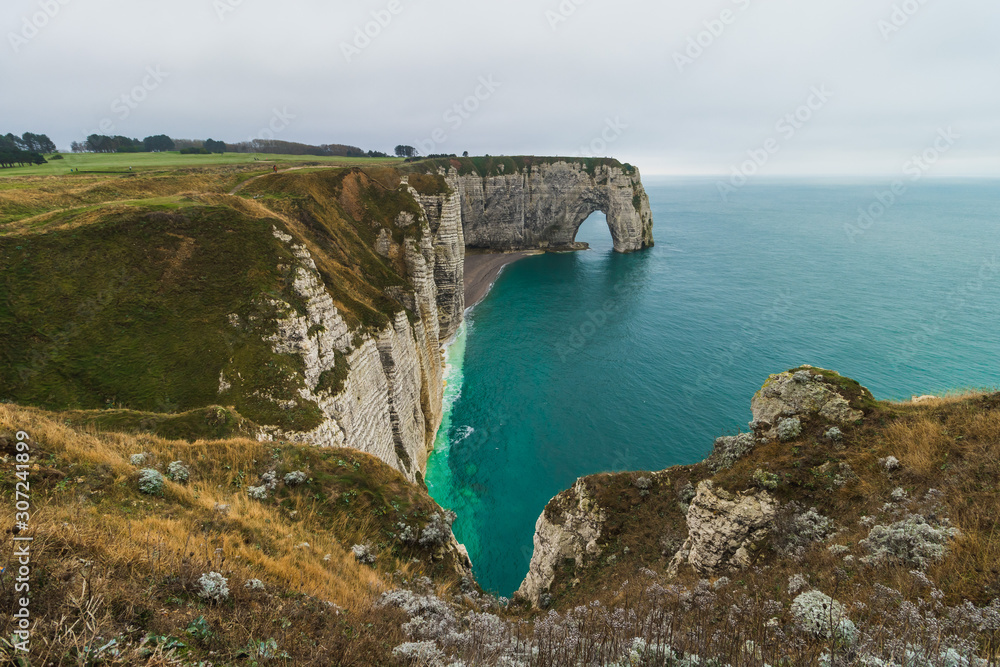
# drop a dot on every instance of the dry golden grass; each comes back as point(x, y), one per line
point(120, 564)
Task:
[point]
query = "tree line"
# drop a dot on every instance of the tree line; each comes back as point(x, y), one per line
point(101, 143)
point(17, 151)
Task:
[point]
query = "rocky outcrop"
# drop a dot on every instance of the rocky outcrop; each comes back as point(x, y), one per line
point(568, 529)
point(543, 205)
point(801, 393)
point(724, 531)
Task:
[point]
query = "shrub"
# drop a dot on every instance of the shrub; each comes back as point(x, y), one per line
point(257, 492)
point(150, 482)
point(789, 428)
point(821, 616)
point(765, 480)
point(834, 434)
point(214, 587)
point(363, 554)
point(138, 459)
point(419, 653)
point(295, 478)
point(730, 449)
point(889, 463)
point(178, 472)
point(254, 585)
point(438, 530)
point(912, 541)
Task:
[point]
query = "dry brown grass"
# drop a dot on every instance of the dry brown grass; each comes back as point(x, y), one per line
point(112, 559)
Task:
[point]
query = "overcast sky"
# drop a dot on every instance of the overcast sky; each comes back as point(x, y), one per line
point(609, 77)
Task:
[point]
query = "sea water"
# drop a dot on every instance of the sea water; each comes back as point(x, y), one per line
point(593, 361)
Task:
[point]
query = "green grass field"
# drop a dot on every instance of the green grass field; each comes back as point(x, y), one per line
point(120, 162)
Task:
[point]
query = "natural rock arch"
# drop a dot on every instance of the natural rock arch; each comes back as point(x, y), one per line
point(543, 207)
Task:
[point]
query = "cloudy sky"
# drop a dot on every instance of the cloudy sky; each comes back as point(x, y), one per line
point(835, 87)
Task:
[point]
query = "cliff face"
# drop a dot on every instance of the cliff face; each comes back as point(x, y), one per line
point(390, 402)
point(543, 206)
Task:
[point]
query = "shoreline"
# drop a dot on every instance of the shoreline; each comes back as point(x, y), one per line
point(482, 270)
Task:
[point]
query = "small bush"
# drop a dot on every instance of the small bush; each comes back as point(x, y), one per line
point(820, 615)
point(150, 482)
point(295, 478)
point(138, 459)
point(254, 585)
point(257, 492)
point(765, 480)
point(789, 429)
point(363, 554)
point(834, 434)
point(214, 587)
point(178, 472)
point(912, 541)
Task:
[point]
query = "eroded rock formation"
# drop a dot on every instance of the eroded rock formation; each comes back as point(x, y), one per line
point(543, 206)
point(724, 531)
point(568, 529)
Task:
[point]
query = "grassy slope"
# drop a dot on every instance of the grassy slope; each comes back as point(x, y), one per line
point(109, 561)
point(124, 300)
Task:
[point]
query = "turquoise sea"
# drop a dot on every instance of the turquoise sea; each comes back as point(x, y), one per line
point(587, 362)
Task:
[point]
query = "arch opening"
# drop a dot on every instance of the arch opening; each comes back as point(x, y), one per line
point(595, 232)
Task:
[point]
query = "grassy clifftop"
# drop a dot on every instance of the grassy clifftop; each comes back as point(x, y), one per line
point(497, 166)
point(122, 292)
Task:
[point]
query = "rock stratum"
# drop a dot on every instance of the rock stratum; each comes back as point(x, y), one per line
point(311, 308)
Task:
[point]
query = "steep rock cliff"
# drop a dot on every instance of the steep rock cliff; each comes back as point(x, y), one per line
point(569, 529)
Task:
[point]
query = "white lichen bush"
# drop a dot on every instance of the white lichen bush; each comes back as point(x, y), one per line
point(150, 482)
point(138, 459)
point(421, 654)
point(214, 587)
point(796, 583)
point(730, 449)
point(819, 615)
point(890, 464)
point(295, 478)
point(765, 480)
point(257, 492)
point(802, 529)
point(254, 585)
point(913, 541)
point(178, 472)
point(789, 428)
point(898, 494)
point(435, 533)
point(834, 434)
point(364, 554)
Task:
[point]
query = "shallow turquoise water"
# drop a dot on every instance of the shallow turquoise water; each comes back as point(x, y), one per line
point(588, 362)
